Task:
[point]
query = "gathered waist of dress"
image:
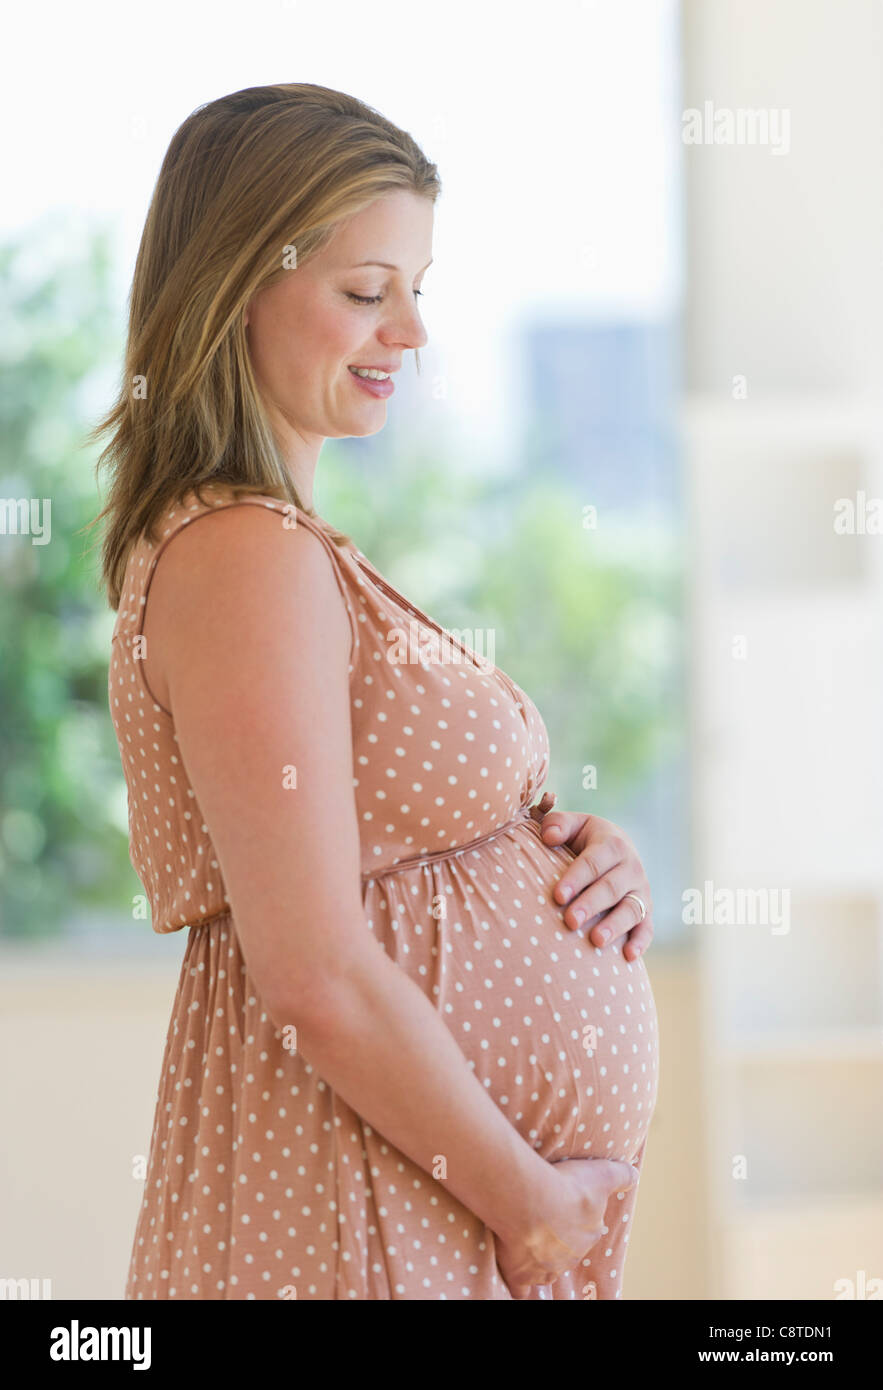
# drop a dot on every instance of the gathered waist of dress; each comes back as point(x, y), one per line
point(525, 815)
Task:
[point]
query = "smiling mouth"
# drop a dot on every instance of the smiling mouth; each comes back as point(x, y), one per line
point(379, 387)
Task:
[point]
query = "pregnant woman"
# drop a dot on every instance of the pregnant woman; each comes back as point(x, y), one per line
point(398, 1066)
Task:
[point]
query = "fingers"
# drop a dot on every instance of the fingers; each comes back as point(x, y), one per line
point(519, 1290)
point(559, 826)
point(631, 1176)
point(625, 920)
point(639, 939)
point(596, 859)
point(623, 1177)
point(621, 915)
point(602, 895)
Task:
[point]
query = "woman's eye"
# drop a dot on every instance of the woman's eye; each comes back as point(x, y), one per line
point(370, 299)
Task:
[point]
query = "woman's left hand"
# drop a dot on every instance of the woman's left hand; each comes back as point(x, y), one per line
point(606, 867)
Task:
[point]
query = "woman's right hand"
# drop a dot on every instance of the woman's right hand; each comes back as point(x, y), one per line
point(573, 1224)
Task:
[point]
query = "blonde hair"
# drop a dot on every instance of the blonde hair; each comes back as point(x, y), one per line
point(245, 179)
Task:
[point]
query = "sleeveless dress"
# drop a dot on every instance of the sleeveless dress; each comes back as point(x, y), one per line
point(261, 1182)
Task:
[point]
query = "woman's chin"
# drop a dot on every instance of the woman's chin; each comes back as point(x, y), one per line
point(368, 422)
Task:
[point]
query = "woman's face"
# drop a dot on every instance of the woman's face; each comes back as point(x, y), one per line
point(307, 330)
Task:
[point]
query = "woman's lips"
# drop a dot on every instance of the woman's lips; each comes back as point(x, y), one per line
point(374, 388)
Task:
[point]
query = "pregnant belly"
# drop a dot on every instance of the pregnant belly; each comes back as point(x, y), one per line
point(562, 1035)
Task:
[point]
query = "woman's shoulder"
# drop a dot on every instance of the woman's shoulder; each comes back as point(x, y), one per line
point(247, 555)
point(218, 497)
point(242, 523)
point(221, 497)
point(177, 516)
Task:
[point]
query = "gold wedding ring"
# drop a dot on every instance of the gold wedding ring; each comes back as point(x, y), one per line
point(640, 903)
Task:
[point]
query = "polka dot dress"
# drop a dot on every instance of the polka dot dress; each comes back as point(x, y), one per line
point(262, 1183)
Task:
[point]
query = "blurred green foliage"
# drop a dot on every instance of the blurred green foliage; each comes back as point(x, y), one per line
point(62, 807)
point(586, 621)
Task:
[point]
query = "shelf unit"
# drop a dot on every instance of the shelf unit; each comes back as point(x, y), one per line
point(787, 785)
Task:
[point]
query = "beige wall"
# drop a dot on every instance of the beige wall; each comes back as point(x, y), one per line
point(83, 1042)
point(669, 1249)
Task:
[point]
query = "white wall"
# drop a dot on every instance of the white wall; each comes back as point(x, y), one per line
point(785, 253)
point(785, 290)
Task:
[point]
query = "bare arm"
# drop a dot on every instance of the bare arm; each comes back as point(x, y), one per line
point(248, 644)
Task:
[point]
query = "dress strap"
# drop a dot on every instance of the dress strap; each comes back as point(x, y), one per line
point(129, 625)
point(320, 528)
